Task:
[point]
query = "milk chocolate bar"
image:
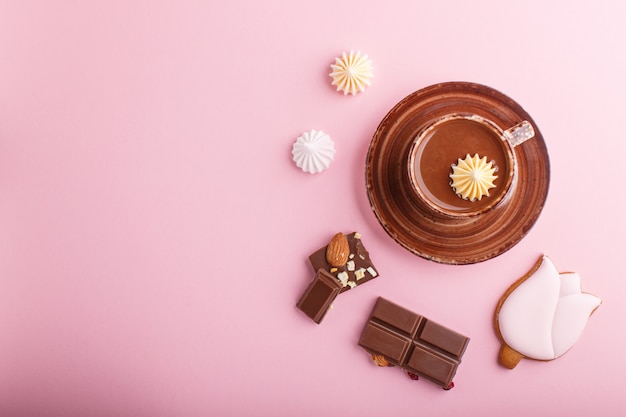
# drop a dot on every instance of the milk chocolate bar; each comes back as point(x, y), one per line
point(356, 271)
point(421, 347)
point(319, 295)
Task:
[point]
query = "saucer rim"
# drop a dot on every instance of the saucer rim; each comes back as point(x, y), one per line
point(518, 222)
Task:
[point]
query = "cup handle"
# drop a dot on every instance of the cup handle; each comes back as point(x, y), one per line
point(519, 133)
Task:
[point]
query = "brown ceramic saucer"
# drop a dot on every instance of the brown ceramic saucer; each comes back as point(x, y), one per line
point(434, 236)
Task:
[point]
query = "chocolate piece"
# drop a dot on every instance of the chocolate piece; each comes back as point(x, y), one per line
point(319, 295)
point(414, 343)
point(356, 271)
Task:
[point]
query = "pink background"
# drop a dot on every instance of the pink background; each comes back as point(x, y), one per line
point(154, 230)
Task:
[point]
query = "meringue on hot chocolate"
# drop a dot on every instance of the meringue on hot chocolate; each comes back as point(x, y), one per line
point(472, 177)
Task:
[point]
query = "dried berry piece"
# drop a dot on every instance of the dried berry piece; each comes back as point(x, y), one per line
point(413, 376)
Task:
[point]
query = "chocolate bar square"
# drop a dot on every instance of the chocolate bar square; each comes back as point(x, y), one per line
point(319, 296)
point(357, 270)
point(413, 342)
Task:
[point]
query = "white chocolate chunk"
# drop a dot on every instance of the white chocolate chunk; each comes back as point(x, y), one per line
point(343, 277)
point(359, 273)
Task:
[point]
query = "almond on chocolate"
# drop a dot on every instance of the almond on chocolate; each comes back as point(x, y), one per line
point(338, 250)
point(357, 270)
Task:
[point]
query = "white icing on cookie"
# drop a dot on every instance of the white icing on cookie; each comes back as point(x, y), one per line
point(545, 315)
point(571, 313)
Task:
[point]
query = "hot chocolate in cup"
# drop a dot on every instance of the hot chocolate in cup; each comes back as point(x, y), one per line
point(443, 142)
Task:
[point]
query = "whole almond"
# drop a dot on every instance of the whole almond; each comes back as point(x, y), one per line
point(338, 250)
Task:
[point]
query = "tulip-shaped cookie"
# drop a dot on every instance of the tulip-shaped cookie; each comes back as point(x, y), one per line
point(542, 314)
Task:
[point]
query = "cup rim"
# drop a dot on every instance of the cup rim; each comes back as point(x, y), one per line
point(509, 151)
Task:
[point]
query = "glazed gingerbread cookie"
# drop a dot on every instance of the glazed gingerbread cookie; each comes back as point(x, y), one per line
point(542, 315)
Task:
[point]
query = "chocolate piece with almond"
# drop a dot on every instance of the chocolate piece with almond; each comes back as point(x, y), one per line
point(353, 269)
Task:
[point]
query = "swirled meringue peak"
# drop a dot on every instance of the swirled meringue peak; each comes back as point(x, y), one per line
point(314, 151)
point(352, 72)
point(472, 177)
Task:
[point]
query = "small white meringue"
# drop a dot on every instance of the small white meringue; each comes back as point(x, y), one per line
point(352, 72)
point(314, 151)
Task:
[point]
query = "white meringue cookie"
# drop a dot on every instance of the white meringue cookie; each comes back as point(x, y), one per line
point(314, 151)
point(352, 72)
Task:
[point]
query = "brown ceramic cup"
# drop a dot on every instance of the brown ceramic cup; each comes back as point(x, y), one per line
point(452, 137)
